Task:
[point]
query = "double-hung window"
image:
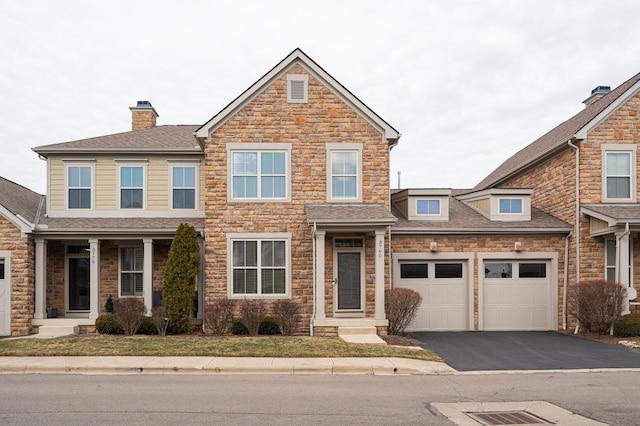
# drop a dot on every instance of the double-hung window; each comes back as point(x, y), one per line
point(132, 186)
point(259, 266)
point(131, 267)
point(183, 187)
point(619, 172)
point(344, 179)
point(259, 172)
point(79, 184)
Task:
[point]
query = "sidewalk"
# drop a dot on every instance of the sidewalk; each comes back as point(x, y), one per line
point(216, 365)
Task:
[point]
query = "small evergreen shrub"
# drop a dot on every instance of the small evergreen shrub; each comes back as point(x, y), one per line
point(627, 325)
point(129, 312)
point(160, 320)
point(286, 313)
point(401, 306)
point(108, 305)
point(147, 326)
point(597, 304)
point(107, 324)
point(268, 326)
point(218, 316)
point(253, 312)
point(238, 328)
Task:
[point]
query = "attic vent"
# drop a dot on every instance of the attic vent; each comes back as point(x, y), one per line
point(297, 88)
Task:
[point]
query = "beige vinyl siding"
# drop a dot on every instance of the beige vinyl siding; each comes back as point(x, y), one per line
point(106, 184)
point(483, 205)
point(157, 184)
point(598, 225)
point(56, 183)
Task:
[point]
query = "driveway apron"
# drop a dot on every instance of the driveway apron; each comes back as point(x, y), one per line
point(525, 350)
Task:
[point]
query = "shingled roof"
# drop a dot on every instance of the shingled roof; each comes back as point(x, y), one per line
point(556, 138)
point(166, 138)
point(20, 201)
point(116, 225)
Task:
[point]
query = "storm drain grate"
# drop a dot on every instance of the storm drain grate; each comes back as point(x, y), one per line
point(491, 418)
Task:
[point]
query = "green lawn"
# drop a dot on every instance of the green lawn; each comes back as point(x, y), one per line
point(271, 346)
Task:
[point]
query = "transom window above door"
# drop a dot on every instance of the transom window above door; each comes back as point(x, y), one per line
point(259, 175)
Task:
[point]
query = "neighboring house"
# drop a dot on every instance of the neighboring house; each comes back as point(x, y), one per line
point(584, 172)
point(19, 212)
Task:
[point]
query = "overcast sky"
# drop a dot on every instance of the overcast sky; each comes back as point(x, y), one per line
point(467, 83)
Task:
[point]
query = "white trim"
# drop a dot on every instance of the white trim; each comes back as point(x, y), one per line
point(623, 149)
point(267, 236)
point(185, 164)
point(20, 223)
point(89, 163)
point(344, 147)
point(258, 148)
point(518, 257)
point(127, 163)
point(5, 256)
point(304, 78)
point(443, 215)
point(468, 273)
point(297, 57)
point(129, 213)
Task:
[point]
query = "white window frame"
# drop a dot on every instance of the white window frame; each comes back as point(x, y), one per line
point(443, 215)
point(622, 149)
point(259, 148)
point(120, 271)
point(607, 266)
point(344, 147)
point(196, 189)
point(91, 164)
point(298, 78)
point(510, 199)
point(281, 236)
point(143, 165)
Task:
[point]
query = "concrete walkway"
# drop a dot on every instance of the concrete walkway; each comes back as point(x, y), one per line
point(216, 365)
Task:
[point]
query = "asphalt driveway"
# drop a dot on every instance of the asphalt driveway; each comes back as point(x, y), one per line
point(525, 350)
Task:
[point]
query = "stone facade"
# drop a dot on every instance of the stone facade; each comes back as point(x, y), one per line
point(21, 275)
point(308, 127)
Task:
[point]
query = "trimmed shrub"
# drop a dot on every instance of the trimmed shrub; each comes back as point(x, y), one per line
point(179, 288)
point(286, 313)
point(238, 328)
point(107, 324)
point(108, 305)
point(268, 326)
point(147, 326)
point(627, 325)
point(129, 312)
point(597, 304)
point(160, 320)
point(218, 316)
point(253, 313)
point(401, 306)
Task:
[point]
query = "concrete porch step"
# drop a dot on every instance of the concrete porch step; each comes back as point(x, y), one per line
point(58, 330)
point(360, 335)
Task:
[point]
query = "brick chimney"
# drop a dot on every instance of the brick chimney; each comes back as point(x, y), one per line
point(143, 115)
point(596, 94)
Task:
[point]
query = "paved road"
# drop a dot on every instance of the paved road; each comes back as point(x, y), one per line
point(41, 399)
point(525, 350)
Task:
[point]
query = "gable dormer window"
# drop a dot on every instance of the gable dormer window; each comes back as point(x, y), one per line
point(510, 205)
point(501, 204)
point(297, 88)
point(428, 207)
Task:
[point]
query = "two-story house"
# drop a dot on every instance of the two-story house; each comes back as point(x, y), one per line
point(584, 171)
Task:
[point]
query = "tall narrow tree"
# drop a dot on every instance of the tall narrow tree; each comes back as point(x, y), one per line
point(180, 274)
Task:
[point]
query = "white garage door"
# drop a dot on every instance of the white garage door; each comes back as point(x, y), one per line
point(517, 295)
point(444, 290)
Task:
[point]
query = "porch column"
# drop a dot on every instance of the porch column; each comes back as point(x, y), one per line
point(94, 278)
point(379, 269)
point(319, 313)
point(147, 275)
point(624, 265)
point(41, 279)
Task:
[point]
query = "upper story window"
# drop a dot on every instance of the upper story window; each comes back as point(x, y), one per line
point(79, 186)
point(297, 88)
point(428, 207)
point(344, 180)
point(619, 172)
point(259, 174)
point(132, 187)
point(183, 187)
point(510, 205)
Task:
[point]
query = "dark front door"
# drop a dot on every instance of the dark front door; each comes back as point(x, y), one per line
point(78, 284)
point(349, 281)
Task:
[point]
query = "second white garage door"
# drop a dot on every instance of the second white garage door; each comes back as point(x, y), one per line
point(517, 295)
point(444, 290)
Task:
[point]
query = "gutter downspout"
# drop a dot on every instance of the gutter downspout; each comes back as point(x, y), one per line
point(619, 265)
point(566, 280)
point(577, 222)
point(313, 306)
